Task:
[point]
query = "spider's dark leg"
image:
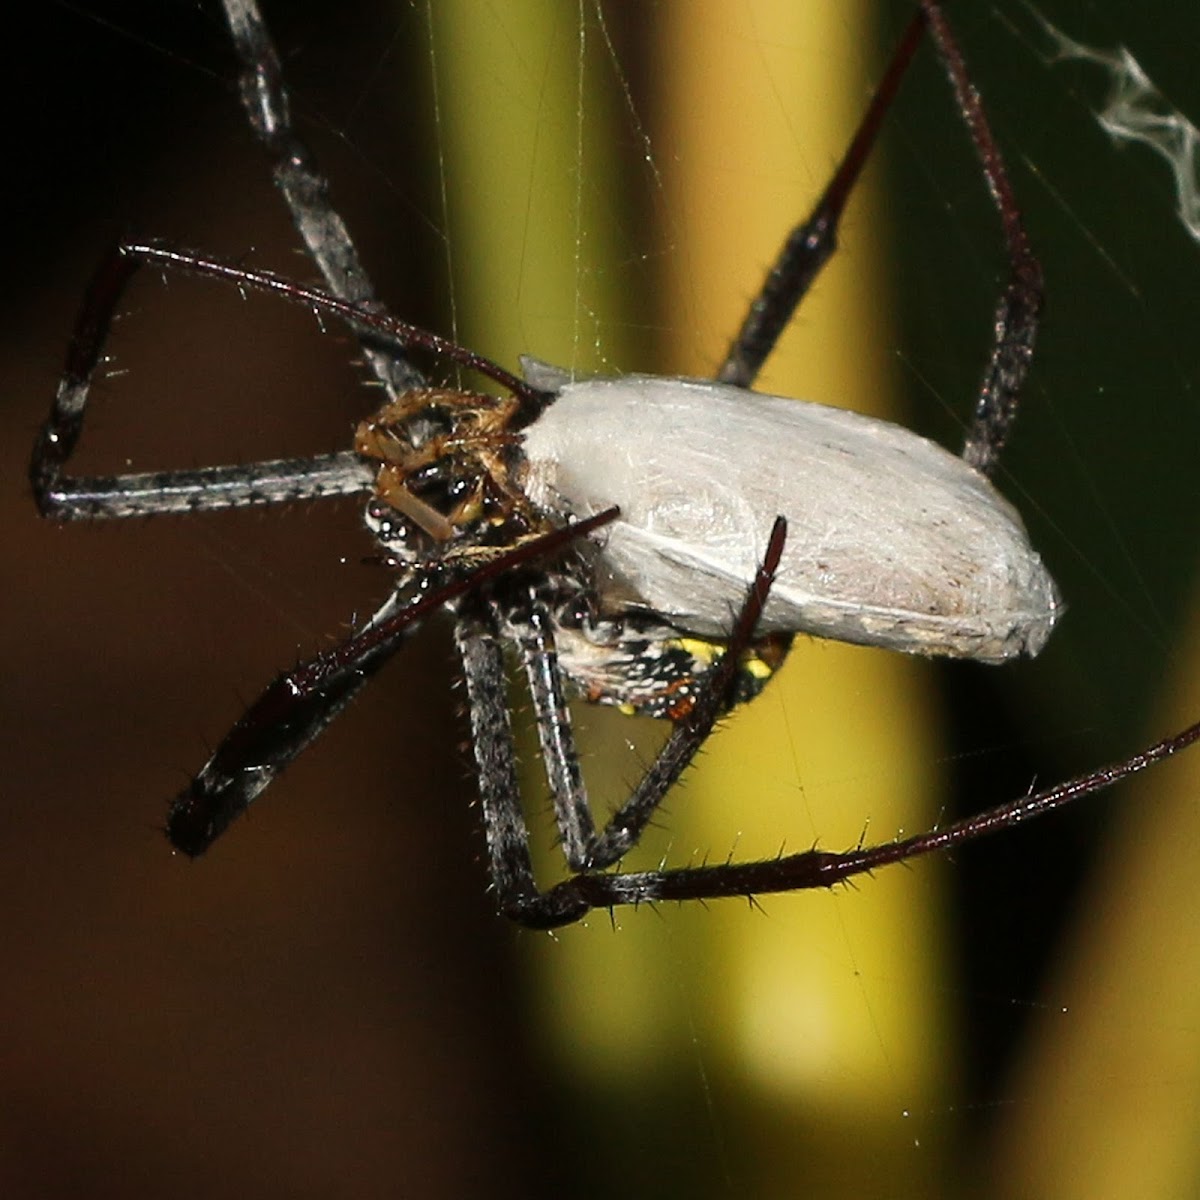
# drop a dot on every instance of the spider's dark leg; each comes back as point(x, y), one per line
point(576, 828)
point(305, 190)
point(211, 487)
point(509, 864)
point(582, 847)
point(287, 718)
point(66, 498)
point(712, 698)
point(1016, 320)
point(507, 834)
point(371, 321)
point(810, 244)
point(816, 868)
point(293, 711)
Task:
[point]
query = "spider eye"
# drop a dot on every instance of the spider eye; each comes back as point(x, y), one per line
point(398, 536)
point(424, 479)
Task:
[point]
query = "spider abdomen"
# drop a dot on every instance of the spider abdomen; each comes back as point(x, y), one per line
point(893, 541)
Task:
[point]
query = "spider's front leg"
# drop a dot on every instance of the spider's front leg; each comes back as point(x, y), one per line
point(296, 707)
point(304, 188)
point(209, 488)
point(285, 720)
point(67, 498)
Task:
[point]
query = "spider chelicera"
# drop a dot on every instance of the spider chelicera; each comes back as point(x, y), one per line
point(659, 591)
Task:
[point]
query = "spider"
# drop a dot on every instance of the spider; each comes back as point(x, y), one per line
point(627, 572)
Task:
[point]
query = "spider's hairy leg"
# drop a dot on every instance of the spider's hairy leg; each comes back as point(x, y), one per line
point(510, 864)
point(287, 718)
point(1015, 323)
point(809, 246)
point(369, 320)
point(296, 708)
point(304, 188)
point(811, 243)
point(713, 697)
point(573, 814)
point(68, 498)
point(818, 868)
point(701, 698)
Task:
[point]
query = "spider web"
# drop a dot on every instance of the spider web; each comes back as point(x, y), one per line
point(326, 997)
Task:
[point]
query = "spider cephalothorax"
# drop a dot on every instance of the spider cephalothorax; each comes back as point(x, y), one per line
point(450, 487)
point(445, 485)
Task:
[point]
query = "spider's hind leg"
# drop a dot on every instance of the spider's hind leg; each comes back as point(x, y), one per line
point(810, 244)
point(1015, 324)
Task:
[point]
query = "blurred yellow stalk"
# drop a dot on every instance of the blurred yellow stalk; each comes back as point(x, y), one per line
point(827, 1009)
